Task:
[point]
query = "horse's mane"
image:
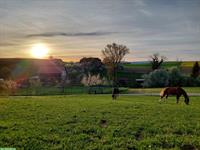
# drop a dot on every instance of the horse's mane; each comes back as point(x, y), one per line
point(163, 91)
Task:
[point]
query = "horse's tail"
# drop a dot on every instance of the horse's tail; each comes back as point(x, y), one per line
point(162, 92)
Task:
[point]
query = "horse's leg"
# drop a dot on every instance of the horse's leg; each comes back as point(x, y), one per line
point(177, 98)
point(113, 96)
point(161, 97)
point(166, 96)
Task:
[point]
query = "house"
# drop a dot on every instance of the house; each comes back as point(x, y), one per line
point(22, 69)
point(51, 69)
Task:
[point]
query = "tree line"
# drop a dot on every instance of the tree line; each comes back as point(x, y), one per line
point(94, 71)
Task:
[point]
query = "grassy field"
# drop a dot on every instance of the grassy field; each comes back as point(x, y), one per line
point(97, 122)
point(167, 64)
point(164, 65)
point(188, 64)
point(59, 91)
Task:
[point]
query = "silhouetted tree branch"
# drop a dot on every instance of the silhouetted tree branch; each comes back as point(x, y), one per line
point(156, 61)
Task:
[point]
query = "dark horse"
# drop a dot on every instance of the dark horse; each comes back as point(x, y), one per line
point(115, 93)
point(177, 91)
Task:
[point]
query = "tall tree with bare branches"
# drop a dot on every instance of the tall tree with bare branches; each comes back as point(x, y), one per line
point(113, 54)
point(156, 61)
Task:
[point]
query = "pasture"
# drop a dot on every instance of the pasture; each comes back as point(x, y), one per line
point(98, 122)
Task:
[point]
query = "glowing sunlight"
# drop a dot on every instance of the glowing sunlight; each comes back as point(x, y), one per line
point(39, 50)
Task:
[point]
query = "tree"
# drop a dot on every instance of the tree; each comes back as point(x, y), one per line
point(74, 73)
point(93, 66)
point(156, 61)
point(5, 73)
point(195, 70)
point(112, 57)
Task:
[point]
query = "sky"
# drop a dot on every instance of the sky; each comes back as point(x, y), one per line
point(72, 29)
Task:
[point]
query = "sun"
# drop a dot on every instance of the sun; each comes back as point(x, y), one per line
point(39, 50)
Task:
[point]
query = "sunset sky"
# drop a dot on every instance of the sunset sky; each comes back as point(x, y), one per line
point(72, 29)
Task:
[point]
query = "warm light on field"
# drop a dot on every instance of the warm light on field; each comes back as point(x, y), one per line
point(39, 50)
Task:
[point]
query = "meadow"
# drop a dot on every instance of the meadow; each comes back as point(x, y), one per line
point(167, 64)
point(98, 122)
point(45, 91)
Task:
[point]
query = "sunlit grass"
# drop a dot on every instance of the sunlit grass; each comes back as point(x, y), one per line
point(98, 122)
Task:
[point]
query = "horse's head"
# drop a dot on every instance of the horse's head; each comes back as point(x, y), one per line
point(187, 100)
point(185, 95)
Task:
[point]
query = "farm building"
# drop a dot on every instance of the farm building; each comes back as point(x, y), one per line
point(23, 69)
point(50, 69)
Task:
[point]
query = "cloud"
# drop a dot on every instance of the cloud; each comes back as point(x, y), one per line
point(139, 3)
point(7, 44)
point(145, 12)
point(52, 34)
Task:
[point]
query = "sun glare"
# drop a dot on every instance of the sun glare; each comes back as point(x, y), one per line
point(39, 50)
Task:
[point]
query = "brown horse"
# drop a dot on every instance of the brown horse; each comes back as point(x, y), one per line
point(177, 91)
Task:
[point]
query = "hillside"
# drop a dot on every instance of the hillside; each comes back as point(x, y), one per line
point(145, 67)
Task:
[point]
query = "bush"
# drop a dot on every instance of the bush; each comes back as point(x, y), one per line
point(92, 80)
point(191, 81)
point(172, 77)
point(7, 87)
point(157, 78)
point(176, 78)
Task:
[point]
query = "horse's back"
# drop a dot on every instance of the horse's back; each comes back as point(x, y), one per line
point(170, 91)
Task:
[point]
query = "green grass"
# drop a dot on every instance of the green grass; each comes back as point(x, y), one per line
point(137, 65)
point(75, 122)
point(168, 64)
point(188, 64)
point(157, 90)
point(59, 91)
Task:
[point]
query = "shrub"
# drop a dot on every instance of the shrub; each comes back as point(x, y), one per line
point(7, 87)
point(176, 78)
point(191, 81)
point(157, 78)
point(92, 80)
point(172, 77)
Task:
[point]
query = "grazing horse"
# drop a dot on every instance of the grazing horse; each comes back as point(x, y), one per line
point(177, 91)
point(115, 93)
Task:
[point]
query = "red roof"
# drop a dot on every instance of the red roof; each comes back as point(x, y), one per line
point(49, 67)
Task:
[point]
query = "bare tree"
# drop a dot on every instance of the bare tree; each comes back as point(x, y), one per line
point(156, 61)
point(112, 57)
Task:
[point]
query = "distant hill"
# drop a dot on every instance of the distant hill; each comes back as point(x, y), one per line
point(145, 66)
